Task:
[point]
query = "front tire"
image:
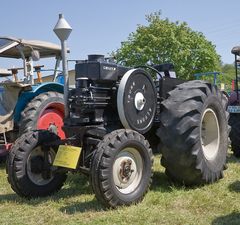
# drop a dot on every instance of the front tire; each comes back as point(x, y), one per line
point(27, 174)
point(194, 131)
point(121, 170)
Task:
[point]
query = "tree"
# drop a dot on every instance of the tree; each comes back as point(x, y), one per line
point(228, 71)
point(163, 41)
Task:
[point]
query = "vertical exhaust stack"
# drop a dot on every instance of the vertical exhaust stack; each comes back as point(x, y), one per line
point(62, 29)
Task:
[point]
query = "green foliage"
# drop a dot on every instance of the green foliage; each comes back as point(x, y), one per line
point(228, 75)
point(163, 41)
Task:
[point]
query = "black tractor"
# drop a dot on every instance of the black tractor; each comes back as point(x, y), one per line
point(115, 116)
point(234, 107)
point(112, 111)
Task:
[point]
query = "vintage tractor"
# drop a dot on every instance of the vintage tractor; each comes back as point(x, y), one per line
point(234, 107)
point(26, 104)
point(110, 113)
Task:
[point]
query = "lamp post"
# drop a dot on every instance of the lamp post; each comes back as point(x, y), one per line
point(62, 29)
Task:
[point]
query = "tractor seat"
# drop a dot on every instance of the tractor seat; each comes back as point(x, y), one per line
point(164, 67)
point(236, 50)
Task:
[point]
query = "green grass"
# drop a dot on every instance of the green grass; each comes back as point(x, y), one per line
point(165, 203)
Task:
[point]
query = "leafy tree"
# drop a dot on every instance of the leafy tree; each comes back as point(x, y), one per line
point(163, 41)
point(229, 72)
point(228, 75)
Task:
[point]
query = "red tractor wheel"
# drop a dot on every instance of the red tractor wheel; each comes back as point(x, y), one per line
point(44, 112)
point(52, 119)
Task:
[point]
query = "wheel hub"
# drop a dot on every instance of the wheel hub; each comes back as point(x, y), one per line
point(51, 119)
point(210, 134)
point(126, 170)
point(53, 128)
point(37, 164)
point(139, 101)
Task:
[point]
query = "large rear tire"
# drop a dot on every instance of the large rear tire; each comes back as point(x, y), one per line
point(194, 131)
point(28, 173)
point(234, 135)
point(121, 169)
point(44, 112)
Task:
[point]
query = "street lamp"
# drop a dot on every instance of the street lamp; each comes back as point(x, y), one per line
point(62, 29)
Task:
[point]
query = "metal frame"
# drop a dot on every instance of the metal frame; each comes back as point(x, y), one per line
point(215, 74)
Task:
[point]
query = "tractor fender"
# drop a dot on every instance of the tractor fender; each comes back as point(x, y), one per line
point(26, 96)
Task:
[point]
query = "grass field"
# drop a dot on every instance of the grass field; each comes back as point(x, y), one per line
point(165, 203)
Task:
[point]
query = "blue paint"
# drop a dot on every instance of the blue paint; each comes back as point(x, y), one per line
point(60, 78)
point(26, 96)
point(215, 74)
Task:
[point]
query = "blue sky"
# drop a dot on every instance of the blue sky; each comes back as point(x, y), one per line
point(100, 26)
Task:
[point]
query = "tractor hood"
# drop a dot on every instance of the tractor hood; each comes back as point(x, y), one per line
point(9, 48)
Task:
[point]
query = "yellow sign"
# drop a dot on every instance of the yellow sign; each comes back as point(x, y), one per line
point(67, 156)
point(222, 87)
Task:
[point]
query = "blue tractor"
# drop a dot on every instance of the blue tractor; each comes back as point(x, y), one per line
point(26, 102)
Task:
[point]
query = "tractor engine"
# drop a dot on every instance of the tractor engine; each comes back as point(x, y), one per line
point(96, 81)
point(111, 96)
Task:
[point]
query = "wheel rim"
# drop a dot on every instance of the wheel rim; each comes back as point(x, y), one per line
point(34, 166)
point(136, 100)
point(210, 134)
point(51, 118)
point(127, 170)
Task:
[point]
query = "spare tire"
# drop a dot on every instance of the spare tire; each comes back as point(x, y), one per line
point(194, 131)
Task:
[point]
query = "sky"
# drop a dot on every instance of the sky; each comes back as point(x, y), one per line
point(100, 26)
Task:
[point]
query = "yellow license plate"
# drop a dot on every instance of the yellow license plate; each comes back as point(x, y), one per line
point(67, 156)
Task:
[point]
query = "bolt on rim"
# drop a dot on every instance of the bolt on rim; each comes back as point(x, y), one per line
point(127, 170)
point(210, 134)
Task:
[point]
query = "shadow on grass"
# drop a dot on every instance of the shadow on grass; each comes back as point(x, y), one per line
point(161, 182)
point(232, 159)
point(235, 187)
point(81, 207)
point(2, 164)
point(3, 161)
point(10, 198)
point(75, 185)
point(78, 184)
point(233, 219)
